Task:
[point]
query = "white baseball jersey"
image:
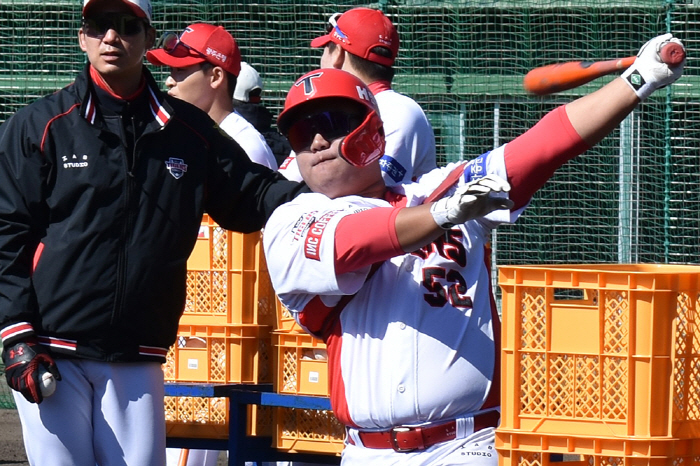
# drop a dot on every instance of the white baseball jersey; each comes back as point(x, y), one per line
point(410, 142)
point(417, 340)
point(250, 139)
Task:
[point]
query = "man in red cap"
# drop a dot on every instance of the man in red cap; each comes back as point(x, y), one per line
point(204, 66)
point(364, 42)
point(103, 187)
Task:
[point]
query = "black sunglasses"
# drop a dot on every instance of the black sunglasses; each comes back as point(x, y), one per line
point(331, 125)
point(123, 24)
point(170, 42)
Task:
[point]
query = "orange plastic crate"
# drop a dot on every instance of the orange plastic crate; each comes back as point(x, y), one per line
point(301, 364)
point(528, 458)
point(621, 447)
point(285, 321)
point(610, 352)
point(227, 279)
point(220, 354)
point(308, 431)
point(199, 417)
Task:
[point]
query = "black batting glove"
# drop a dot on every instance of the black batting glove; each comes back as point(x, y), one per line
point(23, 363)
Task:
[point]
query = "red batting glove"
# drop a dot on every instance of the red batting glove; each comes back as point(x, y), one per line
point(23, 362)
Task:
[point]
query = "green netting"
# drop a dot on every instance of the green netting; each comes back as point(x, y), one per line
point(634, 198)
point(6, 400)
point(464, 62)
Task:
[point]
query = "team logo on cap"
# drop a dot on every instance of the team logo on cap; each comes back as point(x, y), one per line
point(364, 94)
point(176, 167)
point(338, 34)
point(216, 54)
point(385, 40)
point(307, 82)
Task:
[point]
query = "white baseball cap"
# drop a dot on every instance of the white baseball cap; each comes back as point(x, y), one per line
point(248, 80)
point(141, 8)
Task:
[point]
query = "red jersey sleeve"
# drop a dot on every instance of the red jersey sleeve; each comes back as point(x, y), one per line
point(532, 158)
point(357, 245)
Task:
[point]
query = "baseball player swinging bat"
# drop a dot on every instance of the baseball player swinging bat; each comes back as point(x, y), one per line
point(563, 76)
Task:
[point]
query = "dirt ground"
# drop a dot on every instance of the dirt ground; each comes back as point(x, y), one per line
point(11, 447)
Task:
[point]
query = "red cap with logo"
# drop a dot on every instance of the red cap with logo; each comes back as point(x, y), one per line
point(358, 31)
point(198, 43)
point(141, 8)
point(363, 145)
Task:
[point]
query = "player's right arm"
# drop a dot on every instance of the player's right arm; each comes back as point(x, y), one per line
point(241, 194)
point(23, 178)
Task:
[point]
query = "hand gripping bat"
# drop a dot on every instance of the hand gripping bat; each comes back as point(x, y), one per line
point(563, 76)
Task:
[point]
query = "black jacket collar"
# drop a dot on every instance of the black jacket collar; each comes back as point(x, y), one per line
point(94, 104)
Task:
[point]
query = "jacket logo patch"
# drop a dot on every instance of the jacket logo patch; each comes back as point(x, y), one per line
point(392, 167)
point(176, 167)
point(75, 161)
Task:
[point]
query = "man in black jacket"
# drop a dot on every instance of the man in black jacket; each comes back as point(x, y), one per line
point(102, 190)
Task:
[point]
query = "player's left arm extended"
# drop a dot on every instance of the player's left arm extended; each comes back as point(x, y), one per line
point(568, 131)
point(375, 235)
point(532, 158)
point(562, 134)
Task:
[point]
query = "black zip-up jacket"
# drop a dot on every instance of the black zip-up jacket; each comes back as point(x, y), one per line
point(99, 211)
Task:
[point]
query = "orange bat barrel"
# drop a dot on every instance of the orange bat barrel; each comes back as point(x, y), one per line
point(563, 76)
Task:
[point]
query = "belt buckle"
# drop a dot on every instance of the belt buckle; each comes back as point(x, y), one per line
point(394, 441)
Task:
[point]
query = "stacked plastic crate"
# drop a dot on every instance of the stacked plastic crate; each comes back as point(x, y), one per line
point(601, 362)
point(224, 335)
point(301, 368)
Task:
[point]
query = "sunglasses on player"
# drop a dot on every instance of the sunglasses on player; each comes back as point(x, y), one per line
point(122, 24)
point(333, 24)
point(171, 43)
point(331, 125)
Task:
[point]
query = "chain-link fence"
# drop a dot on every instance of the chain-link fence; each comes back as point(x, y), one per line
point(633, 198)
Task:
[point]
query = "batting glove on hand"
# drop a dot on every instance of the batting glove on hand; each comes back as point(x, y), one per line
point(472, 200)
point(649, 72)
point(24, 362)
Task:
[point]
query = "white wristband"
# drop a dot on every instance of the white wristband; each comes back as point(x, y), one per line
point(636, 81)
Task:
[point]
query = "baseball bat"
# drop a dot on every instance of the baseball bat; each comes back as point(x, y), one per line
point(563, 76)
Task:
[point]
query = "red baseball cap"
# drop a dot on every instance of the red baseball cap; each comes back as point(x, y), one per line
point(141, 8)
point(358, 31)
point(198, 43)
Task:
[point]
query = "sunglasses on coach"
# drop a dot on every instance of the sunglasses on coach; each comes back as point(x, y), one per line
point(331, 125)
point(171, 43)
point(333, 24)
point(122, 24)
